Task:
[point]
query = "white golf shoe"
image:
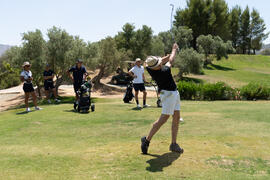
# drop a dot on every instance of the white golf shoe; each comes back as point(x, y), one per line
point(37, 108)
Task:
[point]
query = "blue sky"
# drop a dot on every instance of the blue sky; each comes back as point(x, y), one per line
point(94, 20)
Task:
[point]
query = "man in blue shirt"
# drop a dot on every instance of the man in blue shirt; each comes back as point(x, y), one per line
point(77, 74)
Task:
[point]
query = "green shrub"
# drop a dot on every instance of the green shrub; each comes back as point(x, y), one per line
point(210, 92)
point(255, 91)
point(188, 90)
point(218, 91)
point(9, 77)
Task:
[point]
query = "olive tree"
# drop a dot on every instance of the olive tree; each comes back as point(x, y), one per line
point(34, 50)
point(107, 60)
point(189, 61)
point(59, 47)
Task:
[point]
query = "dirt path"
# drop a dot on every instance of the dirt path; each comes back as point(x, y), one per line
point(13, 97)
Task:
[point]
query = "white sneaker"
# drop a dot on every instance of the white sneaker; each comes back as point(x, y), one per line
point(49, 101)
point(37, 108)
point(181, 120)
point(139, 106)
point(146, 105)
point(57, 100)
point(28, 110)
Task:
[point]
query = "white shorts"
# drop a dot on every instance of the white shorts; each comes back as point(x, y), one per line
point(170, 102)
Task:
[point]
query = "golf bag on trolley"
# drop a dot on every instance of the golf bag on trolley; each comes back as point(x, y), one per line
point(84, 102)
point(128, 96)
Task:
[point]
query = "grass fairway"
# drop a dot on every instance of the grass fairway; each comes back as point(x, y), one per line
point(222, 140)
point(238, 70)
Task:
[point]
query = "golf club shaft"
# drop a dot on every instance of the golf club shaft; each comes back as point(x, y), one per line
point(172, 21)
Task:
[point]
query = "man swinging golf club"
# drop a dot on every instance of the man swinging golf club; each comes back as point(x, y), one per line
point(160, 70)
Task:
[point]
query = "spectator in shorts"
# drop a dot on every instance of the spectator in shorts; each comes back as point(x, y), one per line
point(137, 72)
point(78, 76)
point(48, 76)
point(160, 70)
point(26, 78)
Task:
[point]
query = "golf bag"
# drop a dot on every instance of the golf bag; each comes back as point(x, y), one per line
point(84, 102)
point(128, 94)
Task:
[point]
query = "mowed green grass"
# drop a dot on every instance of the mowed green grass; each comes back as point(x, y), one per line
point(222, 140)
point(238, 70)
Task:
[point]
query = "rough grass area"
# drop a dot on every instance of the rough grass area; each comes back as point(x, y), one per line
point(222, 140)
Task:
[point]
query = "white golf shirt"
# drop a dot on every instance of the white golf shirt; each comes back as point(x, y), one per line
point(26, 75)
point(138, 71)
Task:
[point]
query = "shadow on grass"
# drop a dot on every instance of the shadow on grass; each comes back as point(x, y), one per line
point(161, 161)
point(190, 79)
point(136, 109)
point(64, 100)
point(218, 67)
point(22, 113)
point(74, 111)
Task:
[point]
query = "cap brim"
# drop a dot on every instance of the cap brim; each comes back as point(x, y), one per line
point(26, 65)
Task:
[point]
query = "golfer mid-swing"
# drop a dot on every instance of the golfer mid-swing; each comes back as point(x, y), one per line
point(160, 70)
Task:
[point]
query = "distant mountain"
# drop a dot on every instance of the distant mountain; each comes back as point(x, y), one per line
point(266, 46)
point(3, 48)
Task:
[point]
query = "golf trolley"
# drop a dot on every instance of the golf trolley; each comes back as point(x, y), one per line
point(84, 102)
point(154, 84)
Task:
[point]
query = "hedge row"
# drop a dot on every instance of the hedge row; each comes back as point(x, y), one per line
point(221, 91)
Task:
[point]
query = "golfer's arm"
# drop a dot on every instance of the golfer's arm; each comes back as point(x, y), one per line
point(69, 75)
point(22, 78)
point(131, 73)
point(172, 56)
point(143, 77)
point(165, 59)
point(85, 75)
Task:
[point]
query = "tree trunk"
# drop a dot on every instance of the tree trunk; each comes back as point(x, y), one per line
point(58, 82)
point(97, 78)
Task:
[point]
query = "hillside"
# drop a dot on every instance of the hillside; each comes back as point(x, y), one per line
point(3, 48)
point(238, 70)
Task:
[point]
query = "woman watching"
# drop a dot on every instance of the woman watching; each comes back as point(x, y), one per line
point(26, 78)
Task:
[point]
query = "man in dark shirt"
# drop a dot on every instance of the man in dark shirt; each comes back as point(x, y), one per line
point(48, 76)
point(160, 70)
point(78, 76)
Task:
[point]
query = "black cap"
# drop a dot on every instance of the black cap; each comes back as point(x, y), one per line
point(79, 60)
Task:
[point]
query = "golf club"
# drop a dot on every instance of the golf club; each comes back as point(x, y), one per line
point(172, 21)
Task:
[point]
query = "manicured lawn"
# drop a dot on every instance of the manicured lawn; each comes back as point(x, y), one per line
point(238, 70)
point(222, 140)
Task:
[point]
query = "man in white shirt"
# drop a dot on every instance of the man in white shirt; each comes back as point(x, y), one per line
point(137, 72)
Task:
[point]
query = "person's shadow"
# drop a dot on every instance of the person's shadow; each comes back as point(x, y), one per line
point(160, 161)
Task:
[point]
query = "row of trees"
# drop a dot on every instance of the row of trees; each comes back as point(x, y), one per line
point(245, 29)
point(62, 49)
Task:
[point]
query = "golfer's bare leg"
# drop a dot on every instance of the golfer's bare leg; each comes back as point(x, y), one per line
point(144, 95)
point(47, 94)
point(26, 98)
point(136, 95)
point(33, 94)
point(175, 124)
point(54, 93)
point(156, 126)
